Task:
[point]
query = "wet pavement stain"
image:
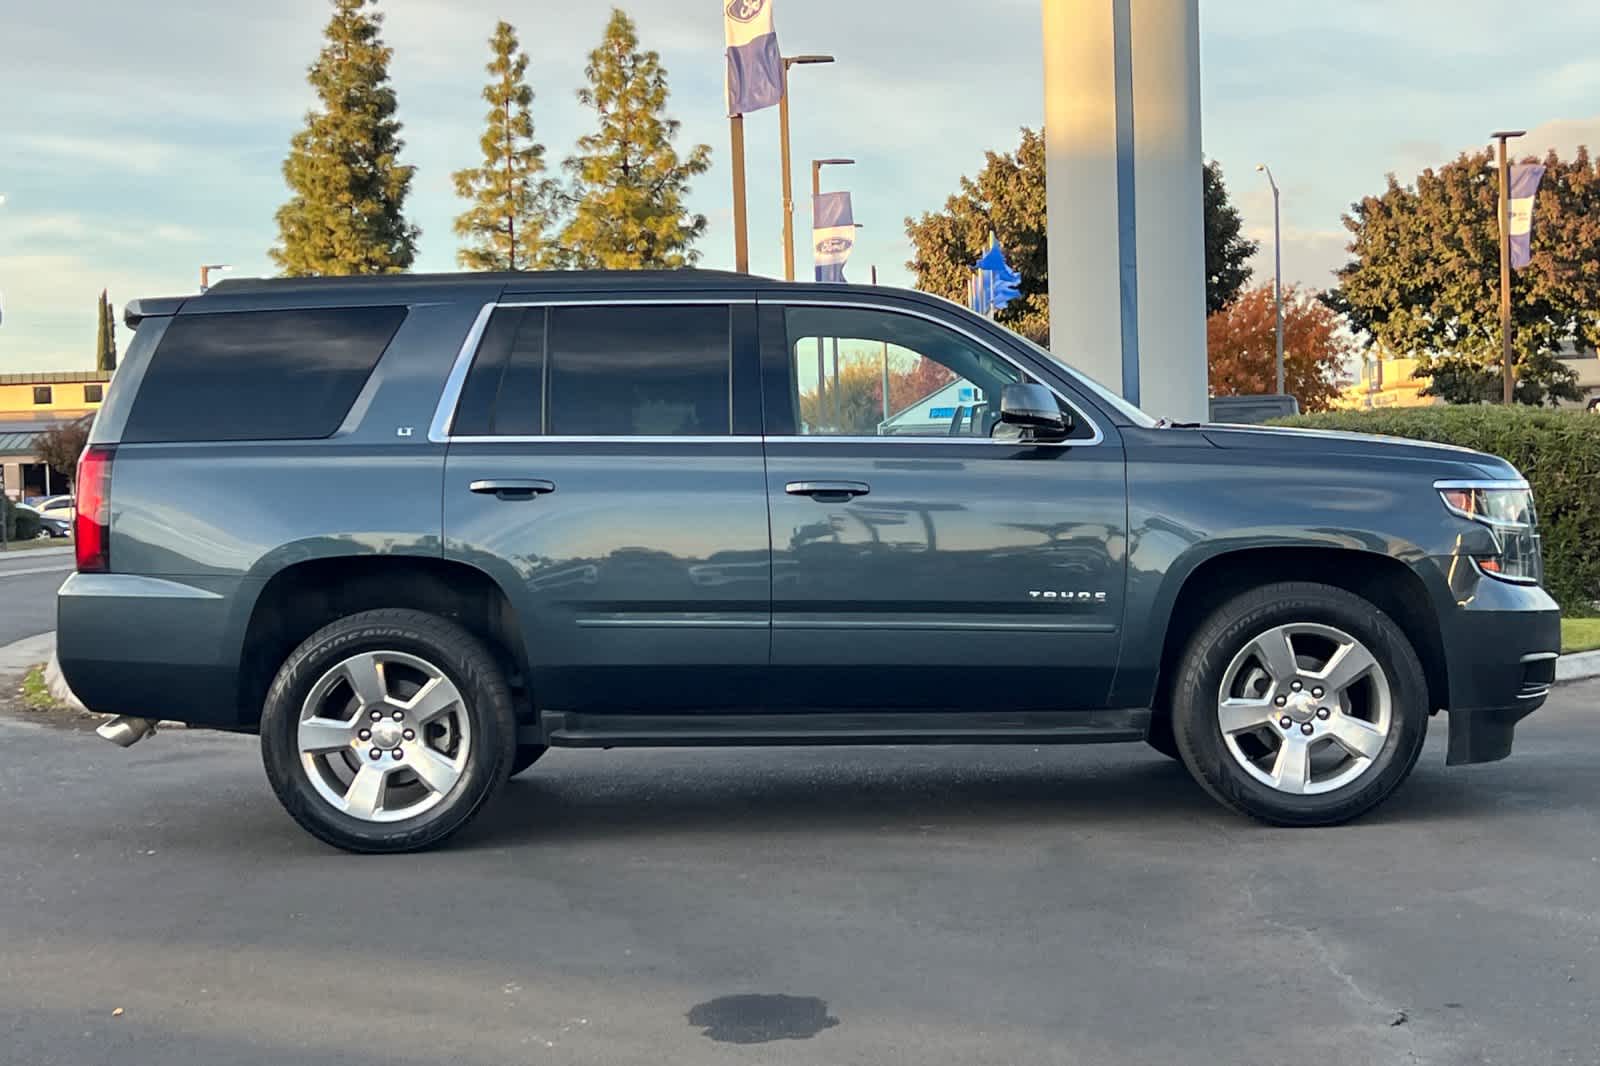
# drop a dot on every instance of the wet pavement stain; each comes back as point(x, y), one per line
point(753, 1019)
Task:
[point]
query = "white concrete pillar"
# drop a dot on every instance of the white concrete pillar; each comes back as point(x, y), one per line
point(1126, 223)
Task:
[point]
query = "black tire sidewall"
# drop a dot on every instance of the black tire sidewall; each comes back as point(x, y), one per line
point(1242, 619)
point(485, 699)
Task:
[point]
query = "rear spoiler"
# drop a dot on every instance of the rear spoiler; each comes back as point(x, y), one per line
point(136, 311)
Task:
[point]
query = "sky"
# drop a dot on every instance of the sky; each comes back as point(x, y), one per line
point(143, 139)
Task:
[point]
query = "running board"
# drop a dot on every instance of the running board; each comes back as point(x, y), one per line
point(561, 729)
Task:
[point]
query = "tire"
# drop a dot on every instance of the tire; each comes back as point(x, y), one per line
point(1366, 736)
point(1161, 739)
point(429, 688)
point(527, 755)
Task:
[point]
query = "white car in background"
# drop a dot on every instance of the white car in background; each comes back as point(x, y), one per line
point(57, 507)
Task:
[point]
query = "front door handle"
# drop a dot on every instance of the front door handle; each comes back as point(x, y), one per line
point(512, 488)
point(828, 491)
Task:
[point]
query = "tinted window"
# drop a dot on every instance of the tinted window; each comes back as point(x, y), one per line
point(93, 393)
point(504, 391)
point(41, 394)
point(639, 371)
point(259, 375)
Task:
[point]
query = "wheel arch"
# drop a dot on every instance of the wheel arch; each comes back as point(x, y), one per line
point(1383, 580)
point(302, 597)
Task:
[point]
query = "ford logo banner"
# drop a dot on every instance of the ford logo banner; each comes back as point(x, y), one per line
point(835, 246)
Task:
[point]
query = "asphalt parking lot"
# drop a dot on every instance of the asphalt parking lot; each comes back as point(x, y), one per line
point(906, 905)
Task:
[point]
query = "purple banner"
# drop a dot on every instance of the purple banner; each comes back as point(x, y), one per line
point(1525, 178)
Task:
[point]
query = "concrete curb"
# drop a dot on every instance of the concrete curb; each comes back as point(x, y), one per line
point(1578, 666)
point(30, 651)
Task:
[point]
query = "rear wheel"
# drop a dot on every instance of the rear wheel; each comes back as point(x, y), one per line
point(387, 731)
point(1300, 704)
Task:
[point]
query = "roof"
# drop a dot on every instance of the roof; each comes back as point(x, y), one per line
point(18, 443)
point(56, 377)
point(512, 280)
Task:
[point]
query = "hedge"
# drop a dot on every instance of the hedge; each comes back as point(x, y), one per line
point(20, 524)
point(1557, 451)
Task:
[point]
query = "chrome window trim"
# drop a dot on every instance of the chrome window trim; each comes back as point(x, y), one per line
point(445, 412)
point(579, 439)
point(864, 305)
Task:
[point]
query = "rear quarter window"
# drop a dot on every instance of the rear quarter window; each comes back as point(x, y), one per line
point(259, 375)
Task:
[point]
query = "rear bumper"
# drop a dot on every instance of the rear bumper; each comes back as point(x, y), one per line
point(1501, 648)
point(150, 647)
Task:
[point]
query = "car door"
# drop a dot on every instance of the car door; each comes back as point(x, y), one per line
point(605, 467)
point(920, 562)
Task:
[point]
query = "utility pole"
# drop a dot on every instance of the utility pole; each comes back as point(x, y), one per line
point(1277, 252)
point(741, 223)
point(788, 167)
point(1510, 389)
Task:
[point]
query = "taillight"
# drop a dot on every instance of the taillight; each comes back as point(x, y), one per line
point(92, 526)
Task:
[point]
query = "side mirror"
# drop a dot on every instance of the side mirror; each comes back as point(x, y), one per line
point(1033, 409)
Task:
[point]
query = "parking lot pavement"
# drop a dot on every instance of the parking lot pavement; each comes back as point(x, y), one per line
point(28, 583)
point(905, 905)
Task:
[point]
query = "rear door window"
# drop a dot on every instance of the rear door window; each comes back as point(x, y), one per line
point(259, 375)
point(640, 371)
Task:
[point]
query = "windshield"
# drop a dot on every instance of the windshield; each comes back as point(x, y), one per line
point(1123, 407)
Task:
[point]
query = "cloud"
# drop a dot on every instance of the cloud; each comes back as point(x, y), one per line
point(115, 154)
point(1565, 135)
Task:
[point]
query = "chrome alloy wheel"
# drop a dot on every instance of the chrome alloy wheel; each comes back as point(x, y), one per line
point(1305, 708)
point(384, 736)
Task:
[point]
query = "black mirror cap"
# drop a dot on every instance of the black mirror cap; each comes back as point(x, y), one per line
point(1034, 407)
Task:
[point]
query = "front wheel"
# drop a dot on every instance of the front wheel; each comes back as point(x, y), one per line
point(1300, 704)
point(387, 731)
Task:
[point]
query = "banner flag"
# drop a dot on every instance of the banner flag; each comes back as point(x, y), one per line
point(833, 234)
point(995, 283)
point(755, 66)
point(1525, 180)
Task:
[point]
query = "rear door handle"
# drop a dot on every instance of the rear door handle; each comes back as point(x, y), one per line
point(513, 488)
point(828, 491)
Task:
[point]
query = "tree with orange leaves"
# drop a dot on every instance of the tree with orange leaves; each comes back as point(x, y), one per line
point(1241, 345)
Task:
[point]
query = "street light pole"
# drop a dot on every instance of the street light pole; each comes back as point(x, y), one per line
point(1277, 252)
point(788, 166)
point(1510, 380)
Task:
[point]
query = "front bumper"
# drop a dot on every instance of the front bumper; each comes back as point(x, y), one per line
point(1501, 644)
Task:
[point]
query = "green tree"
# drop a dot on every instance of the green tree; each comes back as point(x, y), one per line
point(1424, 278)
point(510, 212)
point(1228, 250)
point(629, 184)
point(105, 342)
point(348, 188)
point(1007, 198)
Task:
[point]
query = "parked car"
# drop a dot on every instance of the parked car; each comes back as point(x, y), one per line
point(50, 526)
point(440, 524)
point(57, 507)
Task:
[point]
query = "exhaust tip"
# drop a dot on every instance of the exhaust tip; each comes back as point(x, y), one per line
point(125, 731)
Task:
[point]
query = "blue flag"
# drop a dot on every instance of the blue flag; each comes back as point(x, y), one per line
point(833, 234)
point(755, 66)
point(995, 284)
point(1525, 178)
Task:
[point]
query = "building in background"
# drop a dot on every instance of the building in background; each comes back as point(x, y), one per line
point(32, 405)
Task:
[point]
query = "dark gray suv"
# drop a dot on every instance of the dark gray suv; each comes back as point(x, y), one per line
point(415, 530)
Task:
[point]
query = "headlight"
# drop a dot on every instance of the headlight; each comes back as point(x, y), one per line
point(1506, 509)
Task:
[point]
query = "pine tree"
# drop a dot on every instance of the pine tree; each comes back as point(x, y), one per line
point(510, 201)
point(105, 342)
point(629, 183)
point(348, 189)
